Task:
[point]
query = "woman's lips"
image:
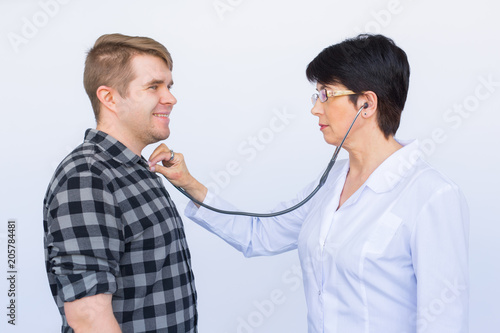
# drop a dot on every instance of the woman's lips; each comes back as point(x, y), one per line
point(322, 127)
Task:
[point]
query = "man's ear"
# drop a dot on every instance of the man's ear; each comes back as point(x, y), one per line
point(370, 98)
point(107, 98)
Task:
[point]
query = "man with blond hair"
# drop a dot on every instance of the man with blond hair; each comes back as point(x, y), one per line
point(116, 255)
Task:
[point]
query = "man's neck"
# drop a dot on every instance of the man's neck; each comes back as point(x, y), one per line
point(133, 145)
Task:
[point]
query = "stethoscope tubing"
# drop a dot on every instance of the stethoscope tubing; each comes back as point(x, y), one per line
point(294, 207)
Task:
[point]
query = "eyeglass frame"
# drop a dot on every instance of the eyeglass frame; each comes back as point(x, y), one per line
point(329, 93)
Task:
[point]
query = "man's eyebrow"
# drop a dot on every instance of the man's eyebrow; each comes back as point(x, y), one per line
point(154, 81)
point(158, 81)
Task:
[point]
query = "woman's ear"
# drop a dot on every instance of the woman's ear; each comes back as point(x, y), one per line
point(369, 101)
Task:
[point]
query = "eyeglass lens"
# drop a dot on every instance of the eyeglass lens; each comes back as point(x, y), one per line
point(321, 95)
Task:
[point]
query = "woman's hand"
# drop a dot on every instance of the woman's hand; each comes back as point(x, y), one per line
point(174, 168)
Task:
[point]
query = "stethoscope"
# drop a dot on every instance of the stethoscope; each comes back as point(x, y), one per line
point(281, 212)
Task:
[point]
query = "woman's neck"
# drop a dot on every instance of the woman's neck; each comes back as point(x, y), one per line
point(369, 153)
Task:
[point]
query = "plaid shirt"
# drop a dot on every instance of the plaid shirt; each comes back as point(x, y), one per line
point(111, 227)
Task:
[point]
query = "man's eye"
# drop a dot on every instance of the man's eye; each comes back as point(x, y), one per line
point(153, 87)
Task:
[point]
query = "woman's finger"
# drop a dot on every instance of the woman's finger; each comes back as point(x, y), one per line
point(161, 154)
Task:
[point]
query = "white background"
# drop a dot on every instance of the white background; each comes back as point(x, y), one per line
point(237, 64)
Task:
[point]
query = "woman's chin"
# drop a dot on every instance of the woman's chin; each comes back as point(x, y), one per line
point(331, 141)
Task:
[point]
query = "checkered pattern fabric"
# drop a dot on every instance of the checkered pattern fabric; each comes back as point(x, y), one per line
point(111, 227)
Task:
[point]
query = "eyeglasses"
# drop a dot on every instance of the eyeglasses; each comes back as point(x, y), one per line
point(323, 95)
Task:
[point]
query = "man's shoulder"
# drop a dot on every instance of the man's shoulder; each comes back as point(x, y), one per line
point(87, 157)
point(86, 160)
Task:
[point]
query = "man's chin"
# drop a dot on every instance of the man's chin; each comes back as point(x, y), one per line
point(161, 136)
point(156, 137)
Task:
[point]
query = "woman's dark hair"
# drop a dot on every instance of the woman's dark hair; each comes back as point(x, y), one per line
point(367, 63)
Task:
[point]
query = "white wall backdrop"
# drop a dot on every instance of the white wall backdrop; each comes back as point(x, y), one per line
point(239, 68)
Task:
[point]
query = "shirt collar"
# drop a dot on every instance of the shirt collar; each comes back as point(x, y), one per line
point(114, 148)
point(395, 167)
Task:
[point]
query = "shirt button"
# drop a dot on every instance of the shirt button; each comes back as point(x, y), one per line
point(319, 293)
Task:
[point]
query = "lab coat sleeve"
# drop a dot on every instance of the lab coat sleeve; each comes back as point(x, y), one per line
point(439, 250)
point(251, 235)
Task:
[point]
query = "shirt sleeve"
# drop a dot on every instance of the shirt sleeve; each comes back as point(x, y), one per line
point(84, 238)
point(439, 249)
point(253, 236)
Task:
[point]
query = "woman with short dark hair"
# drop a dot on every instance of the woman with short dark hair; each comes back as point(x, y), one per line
point(384, 243)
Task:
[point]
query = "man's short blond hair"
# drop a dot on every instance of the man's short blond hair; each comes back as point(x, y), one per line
point(109, 63)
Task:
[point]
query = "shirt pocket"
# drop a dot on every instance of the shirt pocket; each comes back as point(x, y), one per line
point(385, 229)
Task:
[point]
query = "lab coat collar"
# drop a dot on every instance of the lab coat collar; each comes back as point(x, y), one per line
point(395, 167)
